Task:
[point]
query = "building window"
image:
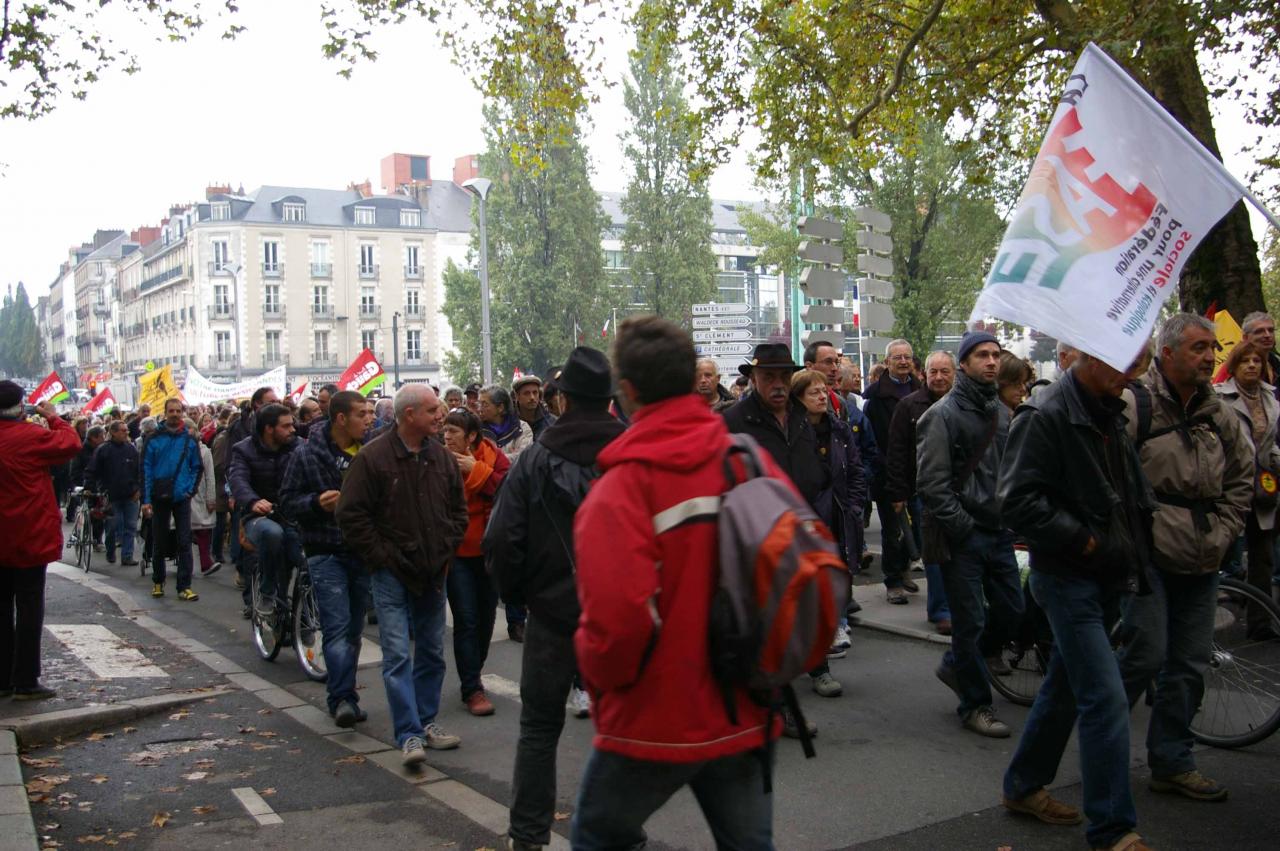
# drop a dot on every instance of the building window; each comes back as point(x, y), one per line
point(412, 269)
point(320, 266)
point(367, 265)
point(271, 349)
point(411, 304)
point(413, 345)
point(271, 298)
point(271, 258)
point(220, 211)
point(615, 260)
point(222, 300)
point(222, 345)
point(221, 255)
point(367, 298)
point(368, 339)
point(322, 345)
point(320, 299)
point(410, 218)
point(365, 216)
point(294, 212)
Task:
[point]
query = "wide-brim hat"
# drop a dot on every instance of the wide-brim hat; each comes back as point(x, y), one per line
point(770, 356)
point(586, 374)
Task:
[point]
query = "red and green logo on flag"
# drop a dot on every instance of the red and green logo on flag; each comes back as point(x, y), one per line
point(51, 390)
point(364, 374)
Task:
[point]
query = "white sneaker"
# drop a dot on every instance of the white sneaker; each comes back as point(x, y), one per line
point(917, 566)
point(579, 702)
point(412, 752)
point(842, 638)
point(438, 740)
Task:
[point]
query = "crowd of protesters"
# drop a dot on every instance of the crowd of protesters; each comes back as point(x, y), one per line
point(1131, 490)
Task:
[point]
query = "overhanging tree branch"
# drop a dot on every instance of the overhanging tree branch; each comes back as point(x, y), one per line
point(899, 69)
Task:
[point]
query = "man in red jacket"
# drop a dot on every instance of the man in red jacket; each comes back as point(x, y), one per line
point(645, 541)
point(27, 451)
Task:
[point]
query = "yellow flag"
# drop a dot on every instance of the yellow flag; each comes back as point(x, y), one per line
point(156, 387)
point(1229, 334)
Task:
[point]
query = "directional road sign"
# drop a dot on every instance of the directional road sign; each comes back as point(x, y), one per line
point(882, 290)
point(822, 314)
point(721, 321)
point(820, 228)
point(875, 317)
point(718, 349)
point(880, 242)
point(822, 283)
point(873, 265)
point(821, 252)
point(721, 308)
point(721, 335)
point(878, 221)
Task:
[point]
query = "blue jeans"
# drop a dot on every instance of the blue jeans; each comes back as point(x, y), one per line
point(936, 594)
point(275, 544)
point(180, 511)
point(516, 614)
point(123, 525)
point(1168, 635)
point(618, 794)
point(985, 595)
point(341, 587)
point(413, 676)
point(1083, 681)
point(474, 602)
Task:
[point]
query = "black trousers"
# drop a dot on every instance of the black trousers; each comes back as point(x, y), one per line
point(21, 623)
point(547, 673)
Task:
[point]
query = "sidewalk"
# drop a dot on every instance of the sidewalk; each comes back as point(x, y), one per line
point(909, 620)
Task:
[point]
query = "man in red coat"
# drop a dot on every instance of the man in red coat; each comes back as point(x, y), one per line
point(646, 557)
point(27, 505)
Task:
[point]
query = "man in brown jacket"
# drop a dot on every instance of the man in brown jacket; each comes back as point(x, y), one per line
point(402, 508)
point(1200, 465)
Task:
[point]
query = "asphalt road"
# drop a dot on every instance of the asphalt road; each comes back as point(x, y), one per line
point(893, 769)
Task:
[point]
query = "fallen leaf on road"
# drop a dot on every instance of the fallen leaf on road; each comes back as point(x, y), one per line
point(248, 729)
point(143, 758)
point(169, 789)
point(295, 750)
point(264, 711)
point(101, 778)
point(130, 730)
point(221, 716)
point(259, 746)
point(41, 762)
point(269, 791)
point(46, 782)
point(53, 825)
point(355, 759)
point(204, 810)
point(160, 819)
point(91, 838)
point(180, 715)
point(196, 775)
point(561, 816)
point(97, 737)
point(128, 834)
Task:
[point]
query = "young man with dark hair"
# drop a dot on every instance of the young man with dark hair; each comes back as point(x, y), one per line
point(171, 469)
point(309, 497)
point(325, 396)
point(255, 475)
point(528, 547)
point(646, 554)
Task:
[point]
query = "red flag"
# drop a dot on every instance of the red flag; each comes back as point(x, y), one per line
point(299, 392)
point(99, 404)
point(51, 390)
point(364, 374)
point(604, 332)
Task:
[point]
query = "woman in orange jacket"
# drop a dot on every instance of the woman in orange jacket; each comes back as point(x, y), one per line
point(473, 599)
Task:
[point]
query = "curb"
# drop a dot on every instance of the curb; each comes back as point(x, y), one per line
point(904, 631)
point(17, 828)
point(32, 730)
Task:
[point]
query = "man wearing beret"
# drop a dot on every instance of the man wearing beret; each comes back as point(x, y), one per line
point(959, 445)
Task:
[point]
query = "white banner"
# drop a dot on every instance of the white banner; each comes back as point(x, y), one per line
point(199, 390)
point(1118, 198)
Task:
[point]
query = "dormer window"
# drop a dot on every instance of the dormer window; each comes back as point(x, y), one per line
point(293, 212)
point(365, 216)
point(410, 218)
point(220, 211)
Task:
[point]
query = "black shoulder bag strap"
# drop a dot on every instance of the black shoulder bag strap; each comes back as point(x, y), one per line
point(975, 459)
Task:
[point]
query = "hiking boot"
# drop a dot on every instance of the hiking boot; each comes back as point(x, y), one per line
point(791, 731)
point(1040, 804)
point(345, 715)
point(188, 596)
point(897, 596)
point(35, 692)
point(157, 590)
point(515, 631)
point(1128, 842)
point(998, 666)
point(411, 752)
point(439, 740)
point(909, 584)
point(827, 686)
point(984, 722)
point(1191, 784)
point(478, 704)
point(579, 703)
point(947, 676)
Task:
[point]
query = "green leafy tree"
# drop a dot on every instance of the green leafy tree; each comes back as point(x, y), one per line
point(1271, 270)
point(21, 352)
point(667, 238)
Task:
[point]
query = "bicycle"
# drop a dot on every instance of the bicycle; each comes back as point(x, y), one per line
point(1241, 702)
point(81, 538)
point(296, 620)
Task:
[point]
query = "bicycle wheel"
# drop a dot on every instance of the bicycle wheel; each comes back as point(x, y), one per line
point(268, 638)
point(84, 539)
point(1028, 664)
point(308, 637)
point(1241, 703)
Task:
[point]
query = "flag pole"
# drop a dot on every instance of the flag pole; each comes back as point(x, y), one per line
point(1187, 136)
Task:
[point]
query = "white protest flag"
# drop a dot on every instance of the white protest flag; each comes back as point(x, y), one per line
point(199, 390)
point(1118, 198)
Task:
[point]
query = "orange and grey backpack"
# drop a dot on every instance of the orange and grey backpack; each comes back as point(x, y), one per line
point(781, 587)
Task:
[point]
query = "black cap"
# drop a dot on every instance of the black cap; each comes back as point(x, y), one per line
point(770, 356)
point(472, 389)
point(586, 374)
point(10, 394)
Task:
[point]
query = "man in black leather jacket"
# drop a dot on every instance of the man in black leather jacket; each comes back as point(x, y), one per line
point(1073, 487)
point(528, 548)
point(959, 444)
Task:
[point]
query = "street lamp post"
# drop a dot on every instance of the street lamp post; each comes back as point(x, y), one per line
point(479, 187)
point(236, 269)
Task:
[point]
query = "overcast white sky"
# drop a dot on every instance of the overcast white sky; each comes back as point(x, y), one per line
point(268, 108)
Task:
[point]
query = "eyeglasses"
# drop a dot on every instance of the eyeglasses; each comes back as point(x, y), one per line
point(898, 358)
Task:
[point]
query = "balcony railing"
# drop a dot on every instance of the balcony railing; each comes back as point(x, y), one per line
point(413, 312)
point(368, 273)
point(322, 270)
point(370, 311)
point(222, 312)
point(101, 308)
point(413, 273)
point(271, 361)
point(273, 311)
point(272, 270)
point(220, 267)
point(324, 360)
point(413, 358)
point(321, 311)
point(224, 364)
point(160, 277)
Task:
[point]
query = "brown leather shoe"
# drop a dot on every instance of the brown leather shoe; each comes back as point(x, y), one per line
point(943, 627)
point(478, 704)
point(1045, 807)
point(1128, 842)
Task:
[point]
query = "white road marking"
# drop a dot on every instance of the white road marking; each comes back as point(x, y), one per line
point(502, 686)
point(256, 807)
point(103, 652)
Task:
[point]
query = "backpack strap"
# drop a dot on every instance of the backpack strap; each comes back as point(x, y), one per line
point(975, 460)
point(1142, 403)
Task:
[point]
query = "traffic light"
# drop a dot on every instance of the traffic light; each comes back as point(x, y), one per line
point(93, 385)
